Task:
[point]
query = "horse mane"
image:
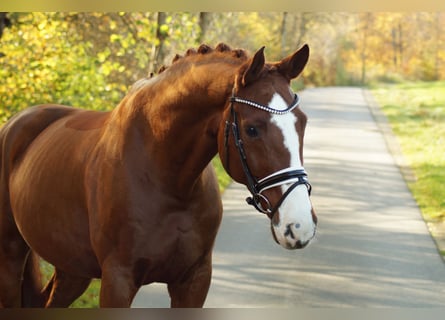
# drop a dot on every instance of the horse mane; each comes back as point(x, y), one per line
point(203, 50)
point(221, 53)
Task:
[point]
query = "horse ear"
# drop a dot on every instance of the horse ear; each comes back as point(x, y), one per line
point(253, 71)
point(291, 66)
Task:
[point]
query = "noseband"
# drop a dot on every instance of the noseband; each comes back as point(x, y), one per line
point(286, 176)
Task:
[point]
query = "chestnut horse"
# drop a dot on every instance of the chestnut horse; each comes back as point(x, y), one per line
point(130, 196)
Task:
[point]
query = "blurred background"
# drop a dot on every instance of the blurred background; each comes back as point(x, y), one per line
point(90, 59)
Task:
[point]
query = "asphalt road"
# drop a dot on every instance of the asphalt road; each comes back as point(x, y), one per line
point(372, 249)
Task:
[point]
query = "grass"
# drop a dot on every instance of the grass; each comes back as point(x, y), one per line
point(416, 112)
point(223, 178)
point(90, 298)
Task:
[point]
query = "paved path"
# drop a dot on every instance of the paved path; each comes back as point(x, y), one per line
point(372, 249)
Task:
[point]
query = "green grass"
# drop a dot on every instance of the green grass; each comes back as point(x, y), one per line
point(223, 178)
point(416, 112)
point(90, 298)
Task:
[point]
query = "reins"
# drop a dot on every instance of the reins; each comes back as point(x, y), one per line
point(296, 176)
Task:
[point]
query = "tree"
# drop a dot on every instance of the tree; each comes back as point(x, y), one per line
point(283, 33)
point(45, 62)
point(90, 59)
point(4, 23)
point(204, 22)
point(161, 36)
point(366, 22)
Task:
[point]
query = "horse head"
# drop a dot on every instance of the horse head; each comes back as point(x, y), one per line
point(260, 143)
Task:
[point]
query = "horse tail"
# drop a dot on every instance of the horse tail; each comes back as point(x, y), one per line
point(32, 285)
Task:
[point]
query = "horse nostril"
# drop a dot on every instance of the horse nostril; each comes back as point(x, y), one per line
point(289, 231)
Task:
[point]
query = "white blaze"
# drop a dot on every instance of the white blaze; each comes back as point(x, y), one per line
point(286, 123)
point(295, 212)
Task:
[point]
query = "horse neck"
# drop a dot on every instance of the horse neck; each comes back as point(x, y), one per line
point(177, 118)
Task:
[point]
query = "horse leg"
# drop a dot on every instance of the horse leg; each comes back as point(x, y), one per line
point(46, 291)
point(32, 283)
point(63, 289)
point(192, 291)
point(13, 253)
point(118, 286)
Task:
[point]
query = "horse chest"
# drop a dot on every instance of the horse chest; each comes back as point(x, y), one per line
point(165, 250)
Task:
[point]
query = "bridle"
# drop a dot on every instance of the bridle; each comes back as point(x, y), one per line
point(296, 176)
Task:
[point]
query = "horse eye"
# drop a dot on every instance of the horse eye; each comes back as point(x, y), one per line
point(251, 131)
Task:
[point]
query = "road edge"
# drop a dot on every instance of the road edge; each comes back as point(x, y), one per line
point(436, 229)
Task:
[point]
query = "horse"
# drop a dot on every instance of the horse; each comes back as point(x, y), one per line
point(130, 196)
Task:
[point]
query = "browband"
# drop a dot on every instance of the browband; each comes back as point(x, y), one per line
point(292, 106)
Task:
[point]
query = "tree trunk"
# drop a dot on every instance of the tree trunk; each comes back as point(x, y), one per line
point(283, 34)
point(204, 22)
point(401, 47)
point(365, 23)
point(304, 18)
point(159, 50)
point(436, 45)
point(394, 47)
point(4, 22)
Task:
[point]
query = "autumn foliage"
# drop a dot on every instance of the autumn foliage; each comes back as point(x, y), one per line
point(90, 59)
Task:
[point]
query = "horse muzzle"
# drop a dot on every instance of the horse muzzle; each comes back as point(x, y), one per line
point(295, 224)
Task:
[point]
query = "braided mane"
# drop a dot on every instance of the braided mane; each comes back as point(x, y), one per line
point(222, 52)
point(204, 49)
